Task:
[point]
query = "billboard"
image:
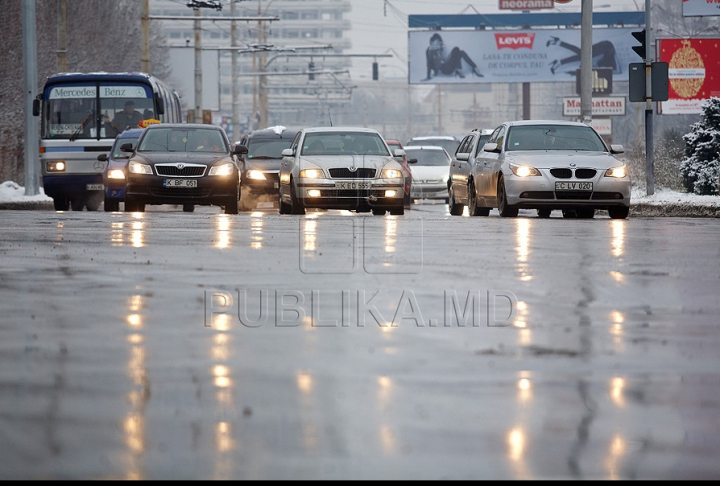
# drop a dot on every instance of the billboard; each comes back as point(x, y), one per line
point(700, 8)
point(693, 73)
point(517, 56)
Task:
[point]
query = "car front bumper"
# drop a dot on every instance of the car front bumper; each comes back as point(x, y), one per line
point(150, 189)
point(429, 191)
point(540, 192)
point(332, 196)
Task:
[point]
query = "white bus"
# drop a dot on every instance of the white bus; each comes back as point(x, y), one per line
point(79, 113)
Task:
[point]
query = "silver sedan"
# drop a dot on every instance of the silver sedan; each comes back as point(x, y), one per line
point(547, 165)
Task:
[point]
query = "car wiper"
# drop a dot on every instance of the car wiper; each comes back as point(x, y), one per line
point(264, 157)
point(75, 135)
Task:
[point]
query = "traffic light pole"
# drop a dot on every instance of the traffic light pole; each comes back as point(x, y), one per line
point(649, 164)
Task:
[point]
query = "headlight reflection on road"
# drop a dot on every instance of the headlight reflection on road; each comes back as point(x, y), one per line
point(517, 443)
point(224, 440)
point(137, 233)
point(256, 231)
point(223, 231)
point(618, 448)
point(309, 236)
point(384, 394)
point(522, 236)
point(134, 422)
point(390, 235)
point(617, 329)
point(618, 237)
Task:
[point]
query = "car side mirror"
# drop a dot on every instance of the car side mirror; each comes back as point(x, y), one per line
point(102, 157)
point(240, 150)
point(399, 153)
point(288, 152)
point(491, 147)
point(412, 161)
point(617, 149)
point(462, 156)
point(126, 147)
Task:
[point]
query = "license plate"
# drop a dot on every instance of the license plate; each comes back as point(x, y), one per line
point(179, 183)
point(94, 187)
point(573, 186)
point(353, 185)
point(276, 185)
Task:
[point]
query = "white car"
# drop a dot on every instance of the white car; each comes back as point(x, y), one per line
point(341, 168)
point(430, 171)
point(545, 165)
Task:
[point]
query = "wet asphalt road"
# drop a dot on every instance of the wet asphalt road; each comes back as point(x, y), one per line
point(171, 345)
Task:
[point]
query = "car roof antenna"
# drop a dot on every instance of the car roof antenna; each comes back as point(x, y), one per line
point(330, 116)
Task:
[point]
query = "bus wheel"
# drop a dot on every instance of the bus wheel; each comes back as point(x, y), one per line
point(61, 203)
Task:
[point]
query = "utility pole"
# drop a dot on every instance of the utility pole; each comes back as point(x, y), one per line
point(145, 23)
point(586, 61)
point(234, 74)
point(32, 149)
point(649, 165)
point(439, 95)
point(262, 80)
point(62, 36)
point(198, 68)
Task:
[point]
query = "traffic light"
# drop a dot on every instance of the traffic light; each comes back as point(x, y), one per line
point(311, 68)
point(640, 50)
point(375, 71)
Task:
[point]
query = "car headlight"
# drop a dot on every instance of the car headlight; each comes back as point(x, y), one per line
point(524, 170)
point(221, 169)
point(116, 174)
point(311, 173)
point(617, 172)
point(256, 174)
point(391, 174)
point(138, 168)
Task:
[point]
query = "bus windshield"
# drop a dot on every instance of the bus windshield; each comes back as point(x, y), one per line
point(91, 111)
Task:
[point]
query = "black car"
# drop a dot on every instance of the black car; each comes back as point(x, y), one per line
point(261, 165)
point(187, 164)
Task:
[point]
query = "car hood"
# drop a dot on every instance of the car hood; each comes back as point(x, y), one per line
point(263, 164)
point(367, 161)
point(422, 172)
point(180, 158)
point(548, 159)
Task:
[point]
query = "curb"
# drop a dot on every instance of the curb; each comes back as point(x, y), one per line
point(31, 205)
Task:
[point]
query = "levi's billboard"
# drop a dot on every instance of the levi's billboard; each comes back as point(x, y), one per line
point(526, 56)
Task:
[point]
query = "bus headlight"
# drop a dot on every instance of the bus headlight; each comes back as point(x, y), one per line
point(55, 166)
point(116, 174)
point(138, 168)
point(221, 170)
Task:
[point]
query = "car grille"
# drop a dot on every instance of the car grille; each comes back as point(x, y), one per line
point(186, 171)
point(345, 173)
point(568, 173)
point(179, 192)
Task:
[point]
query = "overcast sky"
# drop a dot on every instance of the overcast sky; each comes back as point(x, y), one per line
point(380, 26)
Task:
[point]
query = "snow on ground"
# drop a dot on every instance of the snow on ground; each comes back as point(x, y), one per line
point(13, 192)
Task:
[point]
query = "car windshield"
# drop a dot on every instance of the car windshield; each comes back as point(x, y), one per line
point(554, 137)
point(119, 142)
point(450, 146)
point(428, 157)
point(343, 143)
point(182, 140)
point(267, 148)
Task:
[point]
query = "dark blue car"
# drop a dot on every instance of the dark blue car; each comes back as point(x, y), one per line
point(115, 174)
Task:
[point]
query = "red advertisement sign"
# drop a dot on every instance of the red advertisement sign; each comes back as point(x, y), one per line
point(693, 73)
point(515, 40)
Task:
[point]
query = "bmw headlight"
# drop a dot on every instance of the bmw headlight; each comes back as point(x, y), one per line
point(617, 172)
point(524, 170)
point(138, 168)
point(391, 174)
point(221, 169)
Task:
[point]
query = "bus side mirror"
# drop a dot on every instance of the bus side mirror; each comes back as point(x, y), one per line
point(160, 104)
point(36, 107)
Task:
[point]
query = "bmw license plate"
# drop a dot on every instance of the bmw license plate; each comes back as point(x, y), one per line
point(179, 183)
point(353, 185)
point(573, 186)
